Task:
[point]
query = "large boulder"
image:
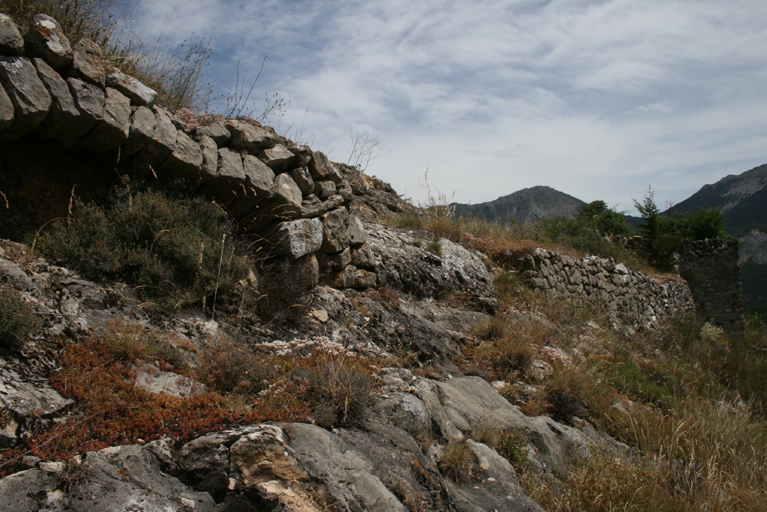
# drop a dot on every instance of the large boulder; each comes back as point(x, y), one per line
point(163, 141)
point(250, 138)
point(216, 131)
point(277, 158)
point(46, 40)
point(185, 161)
point(90, 100)
point(27, 92)
point(142, 128)
point(299, 237)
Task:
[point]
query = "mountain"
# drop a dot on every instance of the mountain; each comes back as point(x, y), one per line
point(525, 206)
point(741, 198)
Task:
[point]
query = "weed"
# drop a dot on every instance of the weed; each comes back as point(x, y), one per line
point(17, 318)
point(176, 251)
point(456, 461)
point(229, 368)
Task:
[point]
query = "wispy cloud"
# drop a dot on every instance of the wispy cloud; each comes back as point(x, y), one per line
point(596, 98)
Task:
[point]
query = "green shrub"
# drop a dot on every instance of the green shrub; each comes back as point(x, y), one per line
point(17, 318)
point(175, 251)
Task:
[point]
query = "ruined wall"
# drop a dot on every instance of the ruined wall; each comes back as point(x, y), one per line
point(60, 102)
point(712, 271)
point(631, 298)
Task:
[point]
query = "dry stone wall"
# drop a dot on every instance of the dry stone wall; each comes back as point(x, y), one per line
point(290, 196)
point(711, 268)
point(630, 298)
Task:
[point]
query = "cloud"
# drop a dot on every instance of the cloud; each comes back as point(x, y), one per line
point(596, 98)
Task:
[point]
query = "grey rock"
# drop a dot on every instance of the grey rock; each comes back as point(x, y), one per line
point(260, 178)
point(26, 91)
point(133, 88)
point(334, 263)
point(89, 62)
point(303, 155)
point(299, 237)
point(284, 201)
point(277, 158)
point(324, 189)
point(357, 233)
point(336, 226)
point(6, 110)
point(345, 191)
point(45, 39)
point(114, 127)
point(209, 151)
point(204, 454)
point(185, 161)
point(152, 379)
point(142, 128)
point(230, 166)
point(28, 398)
point(311, 207)
point(163, 141)
point(348, 475)
point(63, 112)
point(90, 101)
point(11, 43)
point(303, 179)
point(229, 186)
point(216, 131)
point(253, 139)
point(407, 267)
point(322, 169)
point(31, 491)
point(364, 257)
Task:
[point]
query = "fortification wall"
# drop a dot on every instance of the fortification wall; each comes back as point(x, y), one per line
point(630, 298)
point(711, 268)
point(62, 105)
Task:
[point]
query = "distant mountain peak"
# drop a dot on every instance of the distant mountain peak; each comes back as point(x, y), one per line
point(525, 206)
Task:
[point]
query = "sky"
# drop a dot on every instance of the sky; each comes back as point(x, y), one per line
point(600, 99)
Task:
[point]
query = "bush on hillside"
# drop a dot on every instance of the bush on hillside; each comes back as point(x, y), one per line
point(176, 251)
point(17, 318)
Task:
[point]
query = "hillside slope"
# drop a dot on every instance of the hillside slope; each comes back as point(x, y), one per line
point(525, 206)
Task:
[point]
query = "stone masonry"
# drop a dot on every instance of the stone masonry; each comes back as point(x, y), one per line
point(630, 298)
point(711, 269)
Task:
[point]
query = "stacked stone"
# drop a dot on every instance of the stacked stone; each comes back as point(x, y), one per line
point(631, 298)
point(711, 268)
point(291, 195)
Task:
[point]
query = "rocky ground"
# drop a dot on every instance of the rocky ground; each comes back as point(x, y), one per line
point(390, 458)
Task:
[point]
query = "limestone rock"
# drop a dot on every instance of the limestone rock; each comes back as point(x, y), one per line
point(209, 151)
point(277, 158)
point(89, 62)
point(152, 379)
point(322, 169)
point(114, 127)
point(357, 234)
point(6, 110)
point(349, 476)
point(26, 91)
point(345, 191)
point(11, 43)
point(311, 207)
point(163, 141)
point(63, 112)
point(216, 131)
point(324, 189)
point(364, 257)
point(260, 178)
point(303, 179)
point(285, 198)
point(133, 88)
point(253, 139)
point(299, 237)
point(406, 266)
point(335, 262)
point(336, 227)
point(185, 161)
point(303, 155)
point(142, 128)
point(90, 101)
point(45, 39)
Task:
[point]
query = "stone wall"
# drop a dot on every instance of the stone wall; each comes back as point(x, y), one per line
point(71, 98)
point(712, 271)
point(630, 298)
